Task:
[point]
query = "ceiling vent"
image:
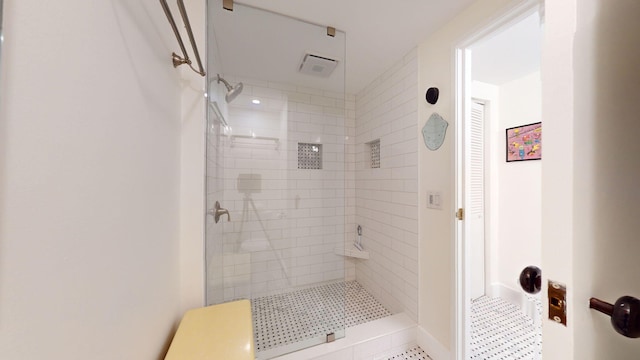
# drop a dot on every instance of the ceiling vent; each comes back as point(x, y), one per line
point(317, 65)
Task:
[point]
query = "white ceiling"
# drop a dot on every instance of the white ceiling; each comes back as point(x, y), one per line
point(510, 54)
point(378, 33)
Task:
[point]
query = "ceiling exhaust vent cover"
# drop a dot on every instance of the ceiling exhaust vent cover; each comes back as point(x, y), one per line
point(317, 65)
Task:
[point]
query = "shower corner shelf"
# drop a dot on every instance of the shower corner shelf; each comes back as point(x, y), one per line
point(352, 252)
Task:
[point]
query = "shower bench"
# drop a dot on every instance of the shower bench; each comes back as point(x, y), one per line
point(223, 331)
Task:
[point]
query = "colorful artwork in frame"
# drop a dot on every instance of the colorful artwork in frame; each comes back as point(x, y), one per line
point(524, 142)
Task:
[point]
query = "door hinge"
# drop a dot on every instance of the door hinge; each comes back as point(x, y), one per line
point(460, 214)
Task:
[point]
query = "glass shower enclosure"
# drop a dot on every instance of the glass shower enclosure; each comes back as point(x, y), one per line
point(275, 174)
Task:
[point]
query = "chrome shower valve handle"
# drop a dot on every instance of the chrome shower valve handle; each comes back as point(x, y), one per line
point(218, 211)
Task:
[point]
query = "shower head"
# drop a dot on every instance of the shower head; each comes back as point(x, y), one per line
point(232, 91)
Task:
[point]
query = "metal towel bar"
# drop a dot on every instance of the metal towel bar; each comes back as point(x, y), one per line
point(177, 60)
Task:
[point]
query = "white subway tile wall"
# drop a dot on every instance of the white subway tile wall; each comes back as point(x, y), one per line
point(286, 222)
point(387, 197)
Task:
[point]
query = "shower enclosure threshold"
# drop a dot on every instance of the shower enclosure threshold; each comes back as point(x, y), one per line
point(389, 334)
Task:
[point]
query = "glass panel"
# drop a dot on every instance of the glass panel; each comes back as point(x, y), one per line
point(275, 161)
point(1, 28)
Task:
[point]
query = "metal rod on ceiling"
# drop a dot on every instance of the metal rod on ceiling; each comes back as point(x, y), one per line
point(177, 60)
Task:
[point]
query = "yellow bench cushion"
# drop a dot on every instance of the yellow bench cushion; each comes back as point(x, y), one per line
point(222, 331)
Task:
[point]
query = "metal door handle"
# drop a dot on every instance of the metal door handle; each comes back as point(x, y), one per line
point(625, 314)
point(218, 211)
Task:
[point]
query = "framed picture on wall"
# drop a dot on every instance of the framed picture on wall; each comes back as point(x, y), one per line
point(524, 142)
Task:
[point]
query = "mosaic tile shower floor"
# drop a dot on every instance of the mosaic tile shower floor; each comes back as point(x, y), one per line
point(415, 353)
point(500, 331)
point(285, 319)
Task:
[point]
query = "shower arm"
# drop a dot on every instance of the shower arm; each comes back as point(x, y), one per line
point(177, 60)
point(225, 82)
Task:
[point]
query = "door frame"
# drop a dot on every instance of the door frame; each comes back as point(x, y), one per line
point(462, 85)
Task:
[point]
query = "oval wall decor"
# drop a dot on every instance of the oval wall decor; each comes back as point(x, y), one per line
point(434, 131)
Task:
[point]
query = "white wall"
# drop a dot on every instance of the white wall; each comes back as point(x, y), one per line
point(386, 197)
point(89, 177)
point(436, 227)
point(192, 163)
point(518, 243)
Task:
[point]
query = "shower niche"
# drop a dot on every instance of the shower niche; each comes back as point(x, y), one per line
point(309, 156)
point(276, 161)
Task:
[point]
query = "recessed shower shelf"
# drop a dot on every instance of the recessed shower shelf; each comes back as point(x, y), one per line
point(352, 251)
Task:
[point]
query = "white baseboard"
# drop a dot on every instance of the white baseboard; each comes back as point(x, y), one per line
point(517, 298)
point(498, 290)
point(431, 346)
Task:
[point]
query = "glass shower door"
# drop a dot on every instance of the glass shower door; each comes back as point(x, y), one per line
point(275, 162)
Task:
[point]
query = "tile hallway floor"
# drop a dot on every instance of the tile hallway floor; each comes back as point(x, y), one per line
point(500, 331)
point(288, 318)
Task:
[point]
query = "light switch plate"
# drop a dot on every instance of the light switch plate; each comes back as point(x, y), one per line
point(434, 200)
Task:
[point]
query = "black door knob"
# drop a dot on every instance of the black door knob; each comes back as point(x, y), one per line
point(531, 279)
point(625, 314)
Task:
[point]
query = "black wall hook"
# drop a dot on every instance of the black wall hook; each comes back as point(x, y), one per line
point(432, 95)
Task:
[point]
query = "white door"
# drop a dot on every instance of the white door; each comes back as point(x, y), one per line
point(474, 164)
point(607, 184)
point(591, 170)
